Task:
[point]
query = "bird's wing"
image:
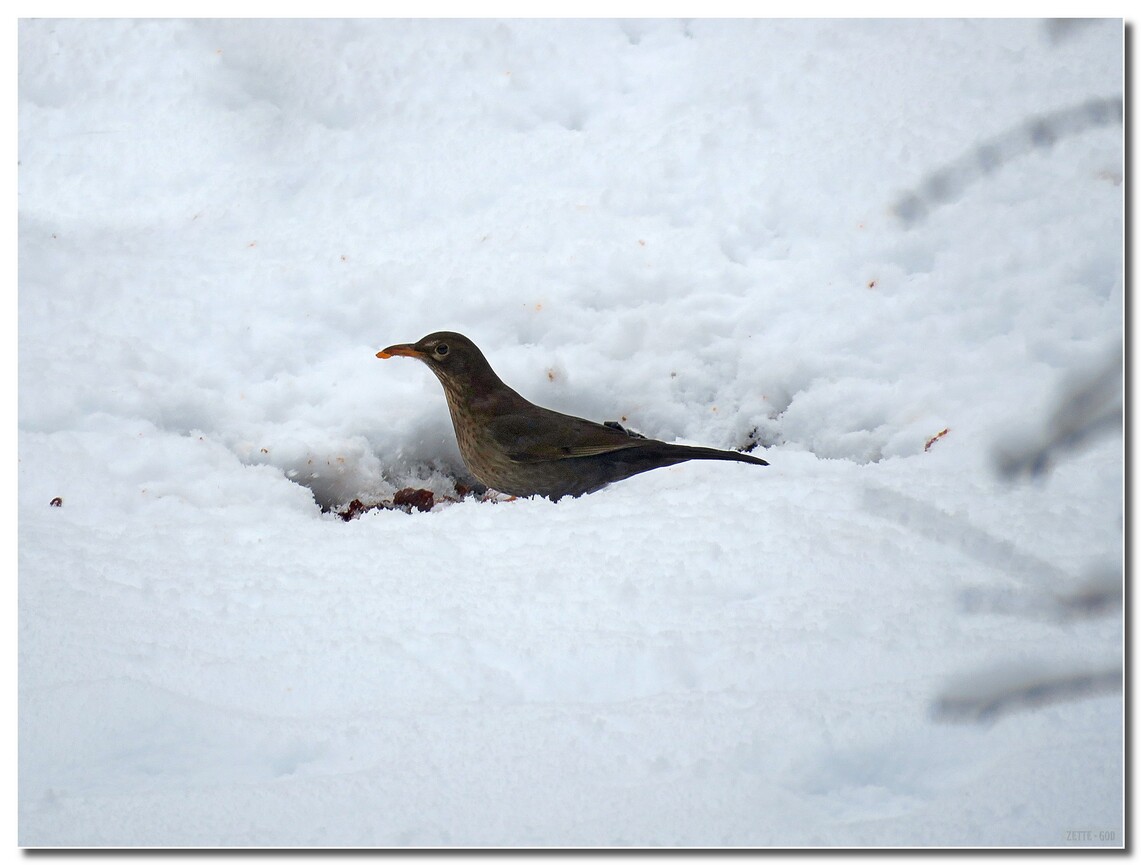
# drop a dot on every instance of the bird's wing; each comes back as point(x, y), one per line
point(535, 436)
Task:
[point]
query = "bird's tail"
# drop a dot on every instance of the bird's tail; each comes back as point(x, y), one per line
point(681, 453)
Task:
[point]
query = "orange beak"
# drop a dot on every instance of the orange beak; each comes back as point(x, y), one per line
point(402, 350)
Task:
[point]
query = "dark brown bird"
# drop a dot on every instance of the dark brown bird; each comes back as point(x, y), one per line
point(519, 448)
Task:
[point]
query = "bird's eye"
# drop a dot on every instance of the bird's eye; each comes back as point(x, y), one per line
point(442, 349)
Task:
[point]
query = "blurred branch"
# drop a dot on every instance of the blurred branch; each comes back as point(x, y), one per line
point(1047, 592)
point(1041, 131)
point(1099, 595)
point(1058, 30)
point(958, 533)
point(1088, 408)
point(995, 692)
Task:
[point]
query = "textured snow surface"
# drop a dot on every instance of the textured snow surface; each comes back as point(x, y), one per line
point(684, 226)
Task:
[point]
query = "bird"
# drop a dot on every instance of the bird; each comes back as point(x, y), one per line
point(521, 449)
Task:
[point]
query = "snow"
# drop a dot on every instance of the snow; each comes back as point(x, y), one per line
point(689, 227)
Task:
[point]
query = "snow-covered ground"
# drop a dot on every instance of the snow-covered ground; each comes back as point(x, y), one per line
point(834, 239)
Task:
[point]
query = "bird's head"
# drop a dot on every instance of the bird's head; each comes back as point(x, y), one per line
point(455, 359)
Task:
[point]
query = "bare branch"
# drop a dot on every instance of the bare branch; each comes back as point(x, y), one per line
point(1089, 408)
point(1099, 595)
point(989, 694)
point(1042, 131)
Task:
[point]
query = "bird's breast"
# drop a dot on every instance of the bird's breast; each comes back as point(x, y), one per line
point(481, 454)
